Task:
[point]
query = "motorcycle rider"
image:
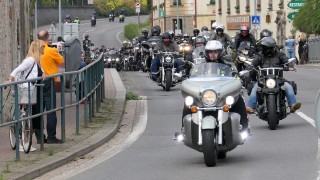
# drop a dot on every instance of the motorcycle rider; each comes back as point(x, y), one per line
point(195, 32)
point(77, 20)
point(270, 57)
point(219, 35)
point(144, 35)
point(93, 19)
point(126, 48)
point(205, 32)
point(122, 12)
point(200, 43)
point(264, 33)
point(244, 35)
point(214, 53)
point(166, 45)
point(86, 43)
point(213, 27)
point(67, 19)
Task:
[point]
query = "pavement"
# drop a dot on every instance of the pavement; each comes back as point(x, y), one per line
point(102, 128)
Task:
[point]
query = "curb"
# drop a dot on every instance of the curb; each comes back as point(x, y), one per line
point(102, 136)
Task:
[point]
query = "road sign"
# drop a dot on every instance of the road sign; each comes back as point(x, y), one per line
point(255, 20)
point(292, 15)
point(296, 5)
point(137, 8)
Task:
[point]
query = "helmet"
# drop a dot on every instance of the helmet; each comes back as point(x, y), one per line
point(200, 41)
point(213, 45)
point(265, 33)
point(125, 43)
point(244, 30)
point(220, 28)
point(214, 26)
point(86, 36)
point(196, 32)
point(159, 28)
point(204, 28)
point(77, 17)
point(166, 38)
point(268, 46)
point(67, 16)
point(155, 31)
point(171, 33)
point(145, 32)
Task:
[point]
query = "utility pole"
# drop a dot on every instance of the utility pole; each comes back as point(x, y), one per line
point(255, 13)
point(139, 14)
point(177, 1)
point(36, 16)
point(60, 25)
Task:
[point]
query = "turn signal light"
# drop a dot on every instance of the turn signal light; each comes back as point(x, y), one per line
point(226, 108)
point(194, 109)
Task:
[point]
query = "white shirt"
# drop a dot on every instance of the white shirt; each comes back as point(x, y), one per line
point(25, 67)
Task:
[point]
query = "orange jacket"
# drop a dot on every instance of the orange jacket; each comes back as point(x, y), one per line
point(50, 61)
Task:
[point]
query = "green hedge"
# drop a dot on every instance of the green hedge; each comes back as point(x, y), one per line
point(132, 30)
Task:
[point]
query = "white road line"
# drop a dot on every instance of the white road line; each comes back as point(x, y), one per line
point(138, 129)
point(117, 36)
point(308, 69)
point(307, 118)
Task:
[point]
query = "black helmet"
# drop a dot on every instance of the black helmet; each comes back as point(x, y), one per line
point(196, 32)
point(86, 36)
point(265, 33)
point(145, 32)
point(268, 46)
point(166, 38)
point(200, 41)
point(204, 28)
point(186, 36)
point(155, 31)
point(159, 28)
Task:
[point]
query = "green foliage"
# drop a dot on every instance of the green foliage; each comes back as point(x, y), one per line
point(132, 96)
point(132, 30)
point(307, 20)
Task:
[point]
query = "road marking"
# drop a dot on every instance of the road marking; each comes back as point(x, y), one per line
point(305, 117)
point(117, 36)
point(309, 69)
point(141, 118)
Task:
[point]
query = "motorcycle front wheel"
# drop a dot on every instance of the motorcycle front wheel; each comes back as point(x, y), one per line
point(168, 80)
point(272, 114)
point(209, 147)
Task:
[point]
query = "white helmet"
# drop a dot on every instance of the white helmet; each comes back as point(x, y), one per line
point(220, 26)
point(214, 25)
point(213, 45)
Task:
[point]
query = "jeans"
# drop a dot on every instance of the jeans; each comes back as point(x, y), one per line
point(289, 94)
point(240, 107)
point(49, 104)
point(290, 53)
point(178, 63)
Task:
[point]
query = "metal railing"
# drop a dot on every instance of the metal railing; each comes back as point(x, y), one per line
point(89, 79)
point(313, 49)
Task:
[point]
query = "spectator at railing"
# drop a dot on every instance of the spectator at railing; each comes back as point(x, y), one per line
point(302, 49)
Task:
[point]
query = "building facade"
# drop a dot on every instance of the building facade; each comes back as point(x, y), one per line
point(191, 14)
point(275, 15)
point(14, 34)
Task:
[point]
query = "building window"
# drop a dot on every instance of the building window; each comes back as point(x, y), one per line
point(258, 8)
point(212, 2)
point(270, 5)
point(248, 6)
point(175, 2)
point(228, 7)
point(237, 7)
point(281, 6)
point(220, 8)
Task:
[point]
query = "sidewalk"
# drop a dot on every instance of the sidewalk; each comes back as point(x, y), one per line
point(102, 128)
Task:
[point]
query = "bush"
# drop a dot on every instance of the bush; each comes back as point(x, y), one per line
point(132, 30)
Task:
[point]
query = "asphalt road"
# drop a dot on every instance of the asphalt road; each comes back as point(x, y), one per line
point(287, 153)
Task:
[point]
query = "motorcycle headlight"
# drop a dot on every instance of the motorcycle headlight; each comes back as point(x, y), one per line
point(229, 100)
point(117, 59)
point(209, 97)
point(187, 48)
point(126, 59)
point(168, 59)
point(188, 100)
point(271, 83)
point(109, 59)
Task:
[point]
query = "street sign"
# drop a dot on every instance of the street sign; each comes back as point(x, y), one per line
point(296, 4)
point(292, 15)
point(137, 8)
point(255, 20)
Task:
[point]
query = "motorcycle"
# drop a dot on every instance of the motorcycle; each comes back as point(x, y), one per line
point(112, 60)
point(147, 54)
point(128, 61)
point(111, 17)
point(271, 103)
point(166, 70)
point(121, 18)
point(93, 21)
point(207, 124)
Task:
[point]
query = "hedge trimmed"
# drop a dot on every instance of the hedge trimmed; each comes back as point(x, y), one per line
point(132, 30)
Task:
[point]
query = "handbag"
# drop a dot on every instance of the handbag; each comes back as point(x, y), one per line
point(23, 91)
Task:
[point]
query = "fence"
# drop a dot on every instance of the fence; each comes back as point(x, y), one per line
point(313, 49)
point(92, 84)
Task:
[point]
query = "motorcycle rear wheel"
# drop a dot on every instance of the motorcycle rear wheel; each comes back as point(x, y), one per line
point(209, 147)
point(272, 114)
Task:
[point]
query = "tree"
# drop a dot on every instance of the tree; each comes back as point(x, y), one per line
point(307, 20)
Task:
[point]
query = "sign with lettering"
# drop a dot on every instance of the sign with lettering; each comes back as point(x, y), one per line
point(234, 22)
point(296, 4)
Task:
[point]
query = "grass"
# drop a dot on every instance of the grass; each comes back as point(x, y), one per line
point(132, 96)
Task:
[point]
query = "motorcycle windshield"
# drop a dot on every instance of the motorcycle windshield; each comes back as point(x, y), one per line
point(111, 53)
point(210, 70)
point(245, 45)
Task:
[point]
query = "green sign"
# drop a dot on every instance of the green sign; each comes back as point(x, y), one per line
point(292, 15)
point(296, 4)
point(161, 13)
